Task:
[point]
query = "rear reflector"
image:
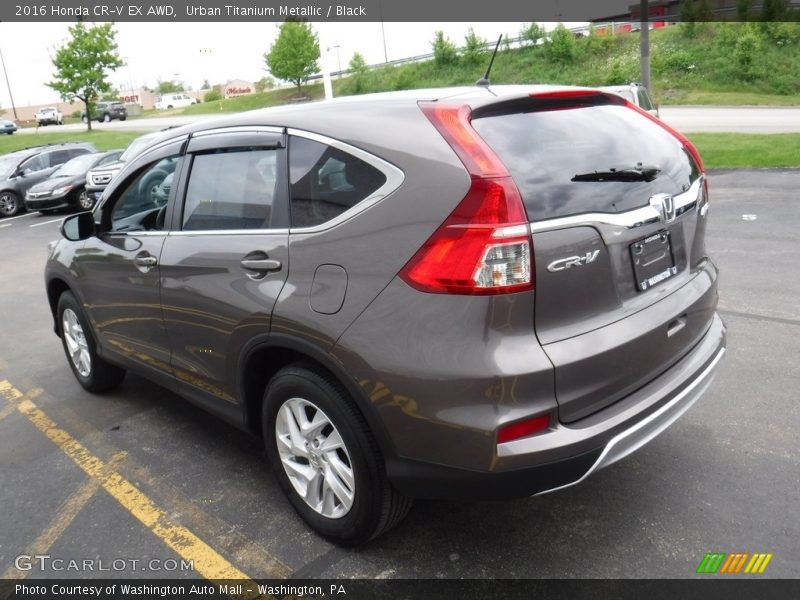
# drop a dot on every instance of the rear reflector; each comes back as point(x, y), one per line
point(523, 429)
point(484, 245)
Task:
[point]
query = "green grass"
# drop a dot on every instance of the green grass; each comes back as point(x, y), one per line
point(746, 150)
point(252, 101)
point(104, 140)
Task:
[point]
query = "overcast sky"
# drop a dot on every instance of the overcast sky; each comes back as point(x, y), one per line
point(192, 52)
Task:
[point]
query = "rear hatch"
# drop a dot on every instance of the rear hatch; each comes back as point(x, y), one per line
point(617, 204)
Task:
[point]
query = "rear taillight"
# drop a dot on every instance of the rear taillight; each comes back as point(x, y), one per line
point(484, 246)
point(690, 147)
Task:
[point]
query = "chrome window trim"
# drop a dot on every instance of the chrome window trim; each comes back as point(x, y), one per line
point(265, 231)
point(239, 129)
point(394, 179)
point(628, 219)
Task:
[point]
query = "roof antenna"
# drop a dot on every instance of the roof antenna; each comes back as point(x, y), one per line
point(484, 81)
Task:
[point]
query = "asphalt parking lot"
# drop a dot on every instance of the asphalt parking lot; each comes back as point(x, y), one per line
point(141, 475)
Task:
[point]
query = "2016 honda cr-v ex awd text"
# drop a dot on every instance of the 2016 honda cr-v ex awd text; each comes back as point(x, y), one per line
point(472, 292)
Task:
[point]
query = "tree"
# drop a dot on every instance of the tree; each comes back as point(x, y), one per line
point(206, 85)
point(168, 87)
point(293, 56)
point(83, 64)
point(265, 83)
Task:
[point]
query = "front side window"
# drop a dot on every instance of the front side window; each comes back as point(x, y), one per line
point(37, 163)
point(326, 181)
point(231, 188)
point(142, 204)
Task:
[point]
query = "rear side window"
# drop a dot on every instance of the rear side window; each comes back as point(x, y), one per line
point(644, 99)
point(326, 181)
point(232, 188)
point(545, 149)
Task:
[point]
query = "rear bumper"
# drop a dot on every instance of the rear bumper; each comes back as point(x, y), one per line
point(583, 446)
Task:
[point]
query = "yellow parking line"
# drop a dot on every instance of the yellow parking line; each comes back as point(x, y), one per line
point(64, 517)
point(250, 555)
point(207, 562)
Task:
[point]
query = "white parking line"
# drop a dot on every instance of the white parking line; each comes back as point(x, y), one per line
point(6, 225)
point(19, 217)
point(46, 222)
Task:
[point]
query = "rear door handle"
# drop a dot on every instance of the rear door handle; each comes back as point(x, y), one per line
point(261, 264)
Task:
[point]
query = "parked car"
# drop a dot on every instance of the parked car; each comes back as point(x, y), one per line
point(636, 94)
point(21, 170)
point(49, 116)
point(471, 292)
point(105, 112)
point(7, 126)
point(66, 186)
point(98, 178)
point(166, 101)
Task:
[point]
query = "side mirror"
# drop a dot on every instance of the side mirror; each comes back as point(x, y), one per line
point(78, 227)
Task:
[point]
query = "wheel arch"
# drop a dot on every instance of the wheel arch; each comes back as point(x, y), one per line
point(267, 355)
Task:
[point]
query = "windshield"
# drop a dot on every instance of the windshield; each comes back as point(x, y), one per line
point(76, 166)
point(136, 146)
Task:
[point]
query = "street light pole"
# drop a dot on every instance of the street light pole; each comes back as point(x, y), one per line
point(8, 84)
point(644, 43)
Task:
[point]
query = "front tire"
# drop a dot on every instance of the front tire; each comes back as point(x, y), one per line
point(326, 459)
point(106, 118)
point(85, 202)
point(91, 371)
point(9, 204)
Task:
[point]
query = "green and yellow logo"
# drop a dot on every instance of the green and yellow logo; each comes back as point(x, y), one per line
point(737, 562)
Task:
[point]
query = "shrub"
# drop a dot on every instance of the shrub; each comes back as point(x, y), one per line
point(561, 46)
point(474, 47)
point(212, 95)
point(531, 34)
point(444, 51)
point(746, 52)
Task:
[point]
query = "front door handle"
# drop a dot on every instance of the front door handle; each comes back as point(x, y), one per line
point(145, 260)
point(261, 264)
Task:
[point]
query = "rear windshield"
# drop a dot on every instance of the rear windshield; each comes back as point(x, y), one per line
point(545, 149)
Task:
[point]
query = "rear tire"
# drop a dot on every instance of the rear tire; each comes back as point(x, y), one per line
point(91, 371)
point(334, 459)
point(106, 118)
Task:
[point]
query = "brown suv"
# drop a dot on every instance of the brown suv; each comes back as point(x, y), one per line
point(469, 292)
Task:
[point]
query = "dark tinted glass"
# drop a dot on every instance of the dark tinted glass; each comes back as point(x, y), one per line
point(644, 99)
point(142, 204)
point(231, 189)
point(325, 181)
point(544, 150)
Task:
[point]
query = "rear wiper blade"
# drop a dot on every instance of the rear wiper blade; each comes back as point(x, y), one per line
point(637, 173)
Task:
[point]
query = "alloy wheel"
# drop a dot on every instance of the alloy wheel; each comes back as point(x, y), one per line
point(8, 204)
point(315, 458)
point(84, 201)
point(75, 339)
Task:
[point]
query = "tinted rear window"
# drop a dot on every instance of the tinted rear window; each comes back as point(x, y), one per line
point(545, 149)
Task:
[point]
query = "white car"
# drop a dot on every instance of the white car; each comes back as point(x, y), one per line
point(49, 115)
point(174, 101)
point(635, 93)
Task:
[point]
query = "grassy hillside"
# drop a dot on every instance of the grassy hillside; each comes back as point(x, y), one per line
point(710, 63)
point(103, 140)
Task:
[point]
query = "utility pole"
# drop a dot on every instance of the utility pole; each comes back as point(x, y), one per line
point(8, 84)
point(644, 43)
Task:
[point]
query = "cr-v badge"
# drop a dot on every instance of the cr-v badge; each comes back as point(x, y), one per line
point(572, 261)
